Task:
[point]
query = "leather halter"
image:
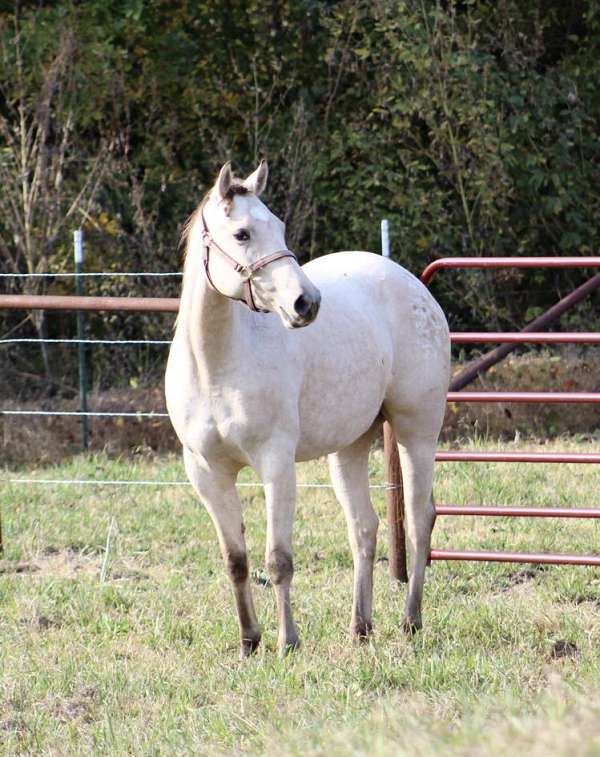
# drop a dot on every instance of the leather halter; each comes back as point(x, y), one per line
point(247, 271)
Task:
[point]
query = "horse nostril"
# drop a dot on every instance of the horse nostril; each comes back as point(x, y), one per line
point(302, 306)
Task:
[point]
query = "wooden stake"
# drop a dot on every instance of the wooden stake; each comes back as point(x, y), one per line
point(394, 496)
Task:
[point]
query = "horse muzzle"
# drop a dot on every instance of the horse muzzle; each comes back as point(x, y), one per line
point(305, 310)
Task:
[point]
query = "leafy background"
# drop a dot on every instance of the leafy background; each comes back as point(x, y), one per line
point(472, 126)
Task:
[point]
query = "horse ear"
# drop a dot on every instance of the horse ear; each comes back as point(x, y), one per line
point(224, 181)
point(257, 181)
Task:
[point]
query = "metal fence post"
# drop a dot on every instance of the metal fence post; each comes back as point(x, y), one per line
point(78, 250)
point(394, 493)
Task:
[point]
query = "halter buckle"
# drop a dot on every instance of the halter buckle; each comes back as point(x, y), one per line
point(243, 270)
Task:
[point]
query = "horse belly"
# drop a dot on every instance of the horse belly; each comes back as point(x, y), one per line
point(345, 380)
point(318, 439)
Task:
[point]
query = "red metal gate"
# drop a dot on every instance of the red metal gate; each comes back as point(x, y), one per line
point(398, 562)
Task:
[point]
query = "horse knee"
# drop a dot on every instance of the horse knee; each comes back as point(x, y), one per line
point(237, 566)
point(368, 529)
point(365, 536)
point(280, 566)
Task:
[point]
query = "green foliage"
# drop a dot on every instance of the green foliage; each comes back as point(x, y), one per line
point(463, 134)
point(471, 125)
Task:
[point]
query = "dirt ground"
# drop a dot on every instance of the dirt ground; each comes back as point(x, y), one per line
point(51, 439)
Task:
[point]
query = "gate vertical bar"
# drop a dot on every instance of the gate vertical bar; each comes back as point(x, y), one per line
point(394, 493)
point(78, 249)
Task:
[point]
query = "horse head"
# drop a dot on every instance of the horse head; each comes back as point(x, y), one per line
point(245, 254)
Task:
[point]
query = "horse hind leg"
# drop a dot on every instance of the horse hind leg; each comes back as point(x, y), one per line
point(217, 491)
point(417, 456)
point(350, 477)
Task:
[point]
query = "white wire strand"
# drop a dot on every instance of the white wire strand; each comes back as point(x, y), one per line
point(107, 274)
point(84, 341)
point(111, 482)
point(79, 413)
point(123, 482)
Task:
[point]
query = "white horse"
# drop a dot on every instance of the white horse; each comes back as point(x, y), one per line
point(246, 385)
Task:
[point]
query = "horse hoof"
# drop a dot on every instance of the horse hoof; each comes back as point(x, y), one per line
point(288, 646)
point(248, 647)
point(410, 627)
point(360, 632)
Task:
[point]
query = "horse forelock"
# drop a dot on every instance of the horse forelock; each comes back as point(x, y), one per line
point(237, 188)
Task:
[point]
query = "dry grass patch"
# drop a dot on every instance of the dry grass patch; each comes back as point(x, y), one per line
point(145, 661)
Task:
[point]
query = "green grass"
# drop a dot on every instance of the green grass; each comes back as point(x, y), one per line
point(145, 661)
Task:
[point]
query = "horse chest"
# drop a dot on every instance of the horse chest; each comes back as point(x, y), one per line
point(230, 421)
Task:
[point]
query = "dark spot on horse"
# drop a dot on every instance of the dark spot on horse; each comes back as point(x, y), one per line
point(236, 188)
point(280, 566)
point(237, 565)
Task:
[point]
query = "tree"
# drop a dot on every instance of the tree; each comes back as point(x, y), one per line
point(470, 126)
point(50, 169)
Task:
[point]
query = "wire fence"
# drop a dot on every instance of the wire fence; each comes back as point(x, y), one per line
point(158, 482)
point(393, 486)
point(137, 414)
point(88, 413)
point(87, 342)
point(83, 341)
point(21, 481)
point(82, 482)
point(97, 274)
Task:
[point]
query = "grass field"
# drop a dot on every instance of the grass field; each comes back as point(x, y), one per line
point(117, 633)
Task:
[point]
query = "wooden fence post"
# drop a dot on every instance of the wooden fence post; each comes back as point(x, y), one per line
point(394, 496)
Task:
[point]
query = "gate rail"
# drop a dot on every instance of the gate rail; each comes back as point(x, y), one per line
point(525, 262)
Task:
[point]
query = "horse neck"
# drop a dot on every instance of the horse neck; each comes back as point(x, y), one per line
point(210, 322)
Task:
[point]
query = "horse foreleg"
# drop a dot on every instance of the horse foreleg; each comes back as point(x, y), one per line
point(350, 477)
point(217, 491)
point(280, 494)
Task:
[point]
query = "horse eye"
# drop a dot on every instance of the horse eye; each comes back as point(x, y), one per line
point(242, 235)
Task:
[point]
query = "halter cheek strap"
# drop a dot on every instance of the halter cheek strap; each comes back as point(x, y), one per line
point(247, 270)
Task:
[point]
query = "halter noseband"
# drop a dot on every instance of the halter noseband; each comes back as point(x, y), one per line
point(247, 270)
